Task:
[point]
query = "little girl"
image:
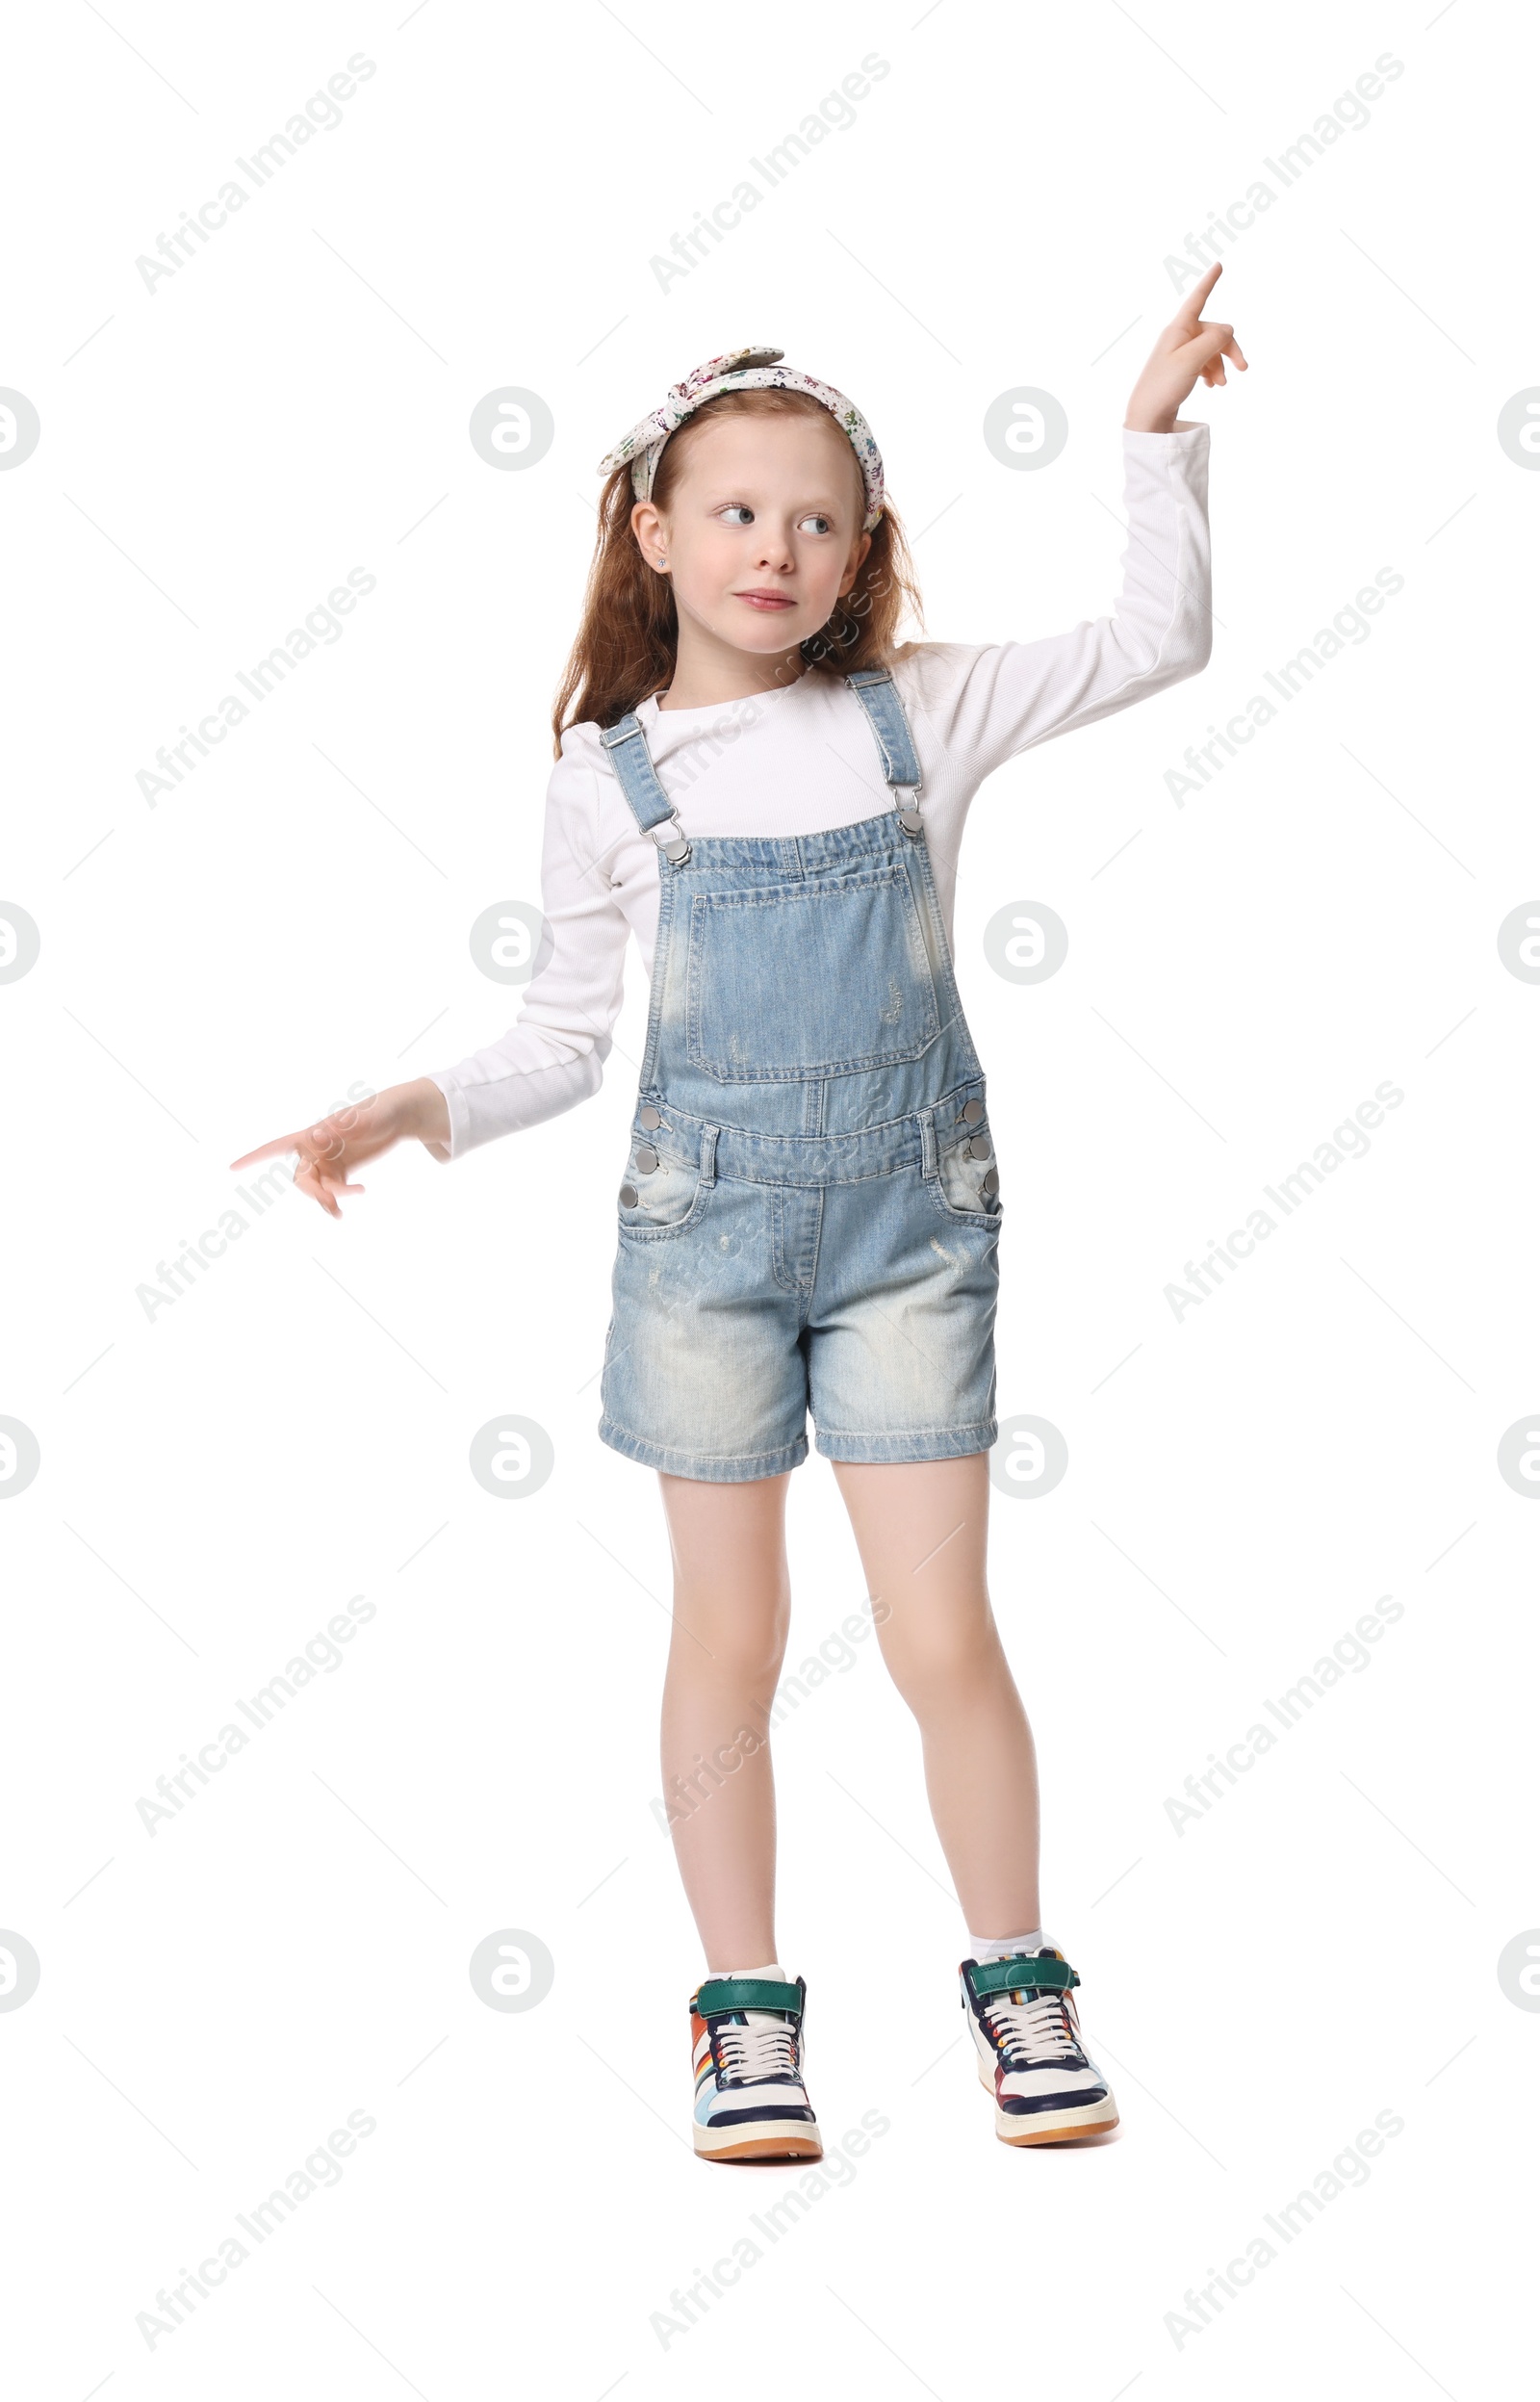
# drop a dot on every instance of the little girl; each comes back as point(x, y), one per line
point(757, 782)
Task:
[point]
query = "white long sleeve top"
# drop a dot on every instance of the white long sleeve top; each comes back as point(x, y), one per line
point(801, 759)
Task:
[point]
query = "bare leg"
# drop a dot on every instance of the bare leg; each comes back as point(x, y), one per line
point(732, 1610)
point(921, 1531)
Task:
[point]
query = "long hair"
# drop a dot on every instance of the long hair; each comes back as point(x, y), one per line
point(627, 640)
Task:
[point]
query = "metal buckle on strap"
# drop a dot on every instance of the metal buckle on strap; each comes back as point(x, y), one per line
point(909, 812)
point(676, 849)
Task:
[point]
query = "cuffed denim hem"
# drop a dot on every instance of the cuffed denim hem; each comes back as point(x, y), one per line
point(710, 1468)
point(949, 1442)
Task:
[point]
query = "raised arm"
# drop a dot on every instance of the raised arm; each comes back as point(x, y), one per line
point(994, 701)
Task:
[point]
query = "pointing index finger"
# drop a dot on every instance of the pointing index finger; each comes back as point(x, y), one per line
point(1190, 308)
point(283, 1143)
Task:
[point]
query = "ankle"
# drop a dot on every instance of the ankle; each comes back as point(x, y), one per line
point(987, 1947)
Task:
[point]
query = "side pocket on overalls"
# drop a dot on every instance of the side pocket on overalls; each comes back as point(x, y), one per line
point(659, 1192)
point(967, 1171)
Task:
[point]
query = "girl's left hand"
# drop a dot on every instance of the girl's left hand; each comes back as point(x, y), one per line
point(1189, 347)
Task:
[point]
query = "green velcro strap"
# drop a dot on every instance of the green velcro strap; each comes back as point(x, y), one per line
point(1023, 1974)
point(745, 1993)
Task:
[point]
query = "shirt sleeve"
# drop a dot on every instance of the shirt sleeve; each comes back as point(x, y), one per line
point(1005, 697)
point(553, 1054)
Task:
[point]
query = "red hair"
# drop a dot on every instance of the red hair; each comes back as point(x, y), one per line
point(628, 639)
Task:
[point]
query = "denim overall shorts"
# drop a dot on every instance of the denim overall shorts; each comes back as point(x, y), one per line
point(810, 1212)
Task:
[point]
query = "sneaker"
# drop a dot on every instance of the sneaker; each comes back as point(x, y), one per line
point(1046, 2087)
point(750, 2101)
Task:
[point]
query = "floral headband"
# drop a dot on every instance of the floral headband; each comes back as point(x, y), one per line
point(742, 370)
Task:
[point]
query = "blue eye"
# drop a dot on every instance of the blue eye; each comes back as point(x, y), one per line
point(826, 523)
point(741, 505)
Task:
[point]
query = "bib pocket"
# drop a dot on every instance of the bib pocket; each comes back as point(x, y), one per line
point(815, 980)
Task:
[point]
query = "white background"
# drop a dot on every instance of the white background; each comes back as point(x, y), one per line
point(291, 919)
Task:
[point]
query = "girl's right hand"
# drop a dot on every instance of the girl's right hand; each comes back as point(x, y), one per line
point(1191, 346)
point(328, 1150)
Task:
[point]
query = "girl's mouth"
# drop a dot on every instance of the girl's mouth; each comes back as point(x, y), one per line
point(767, 600)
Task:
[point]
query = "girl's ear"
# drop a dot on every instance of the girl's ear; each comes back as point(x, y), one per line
point(857, 557)
point(652, 537)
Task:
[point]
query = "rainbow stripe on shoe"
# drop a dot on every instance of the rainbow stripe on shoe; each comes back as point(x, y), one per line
point(747, 2048)
point(1026, 2031)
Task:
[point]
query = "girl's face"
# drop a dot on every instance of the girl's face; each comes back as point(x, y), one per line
point(763, 534)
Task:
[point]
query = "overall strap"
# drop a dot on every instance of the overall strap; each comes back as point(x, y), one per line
point(637, 778)
point(878, 695)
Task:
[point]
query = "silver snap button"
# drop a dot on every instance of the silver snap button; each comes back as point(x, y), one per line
point(646, 1159)
point(650, 1117)
point(992, 1180)
point(972, 1112)
point(979, 1147)
point(630, 1196)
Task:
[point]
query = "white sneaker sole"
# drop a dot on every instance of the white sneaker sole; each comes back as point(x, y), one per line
point(1087, 2118)
point(760, 2139)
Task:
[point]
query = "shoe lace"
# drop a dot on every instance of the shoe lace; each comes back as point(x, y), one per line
point(745, 2054)
point(1029, 2033)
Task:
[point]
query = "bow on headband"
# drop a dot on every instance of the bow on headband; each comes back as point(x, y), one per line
point(743, 370)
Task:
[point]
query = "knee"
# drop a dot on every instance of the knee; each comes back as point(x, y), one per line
point(750, 1662)
point(739, 1647)
point(935, 1660)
